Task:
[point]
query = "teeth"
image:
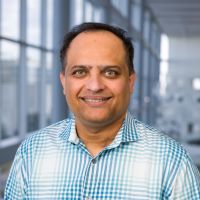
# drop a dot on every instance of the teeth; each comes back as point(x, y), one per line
point(94, 100)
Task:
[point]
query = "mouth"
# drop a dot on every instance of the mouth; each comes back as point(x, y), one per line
point(95, 100)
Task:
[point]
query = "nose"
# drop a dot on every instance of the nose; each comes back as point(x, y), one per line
point(95, 83)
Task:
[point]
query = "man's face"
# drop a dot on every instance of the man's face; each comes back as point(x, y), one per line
point(96, 81)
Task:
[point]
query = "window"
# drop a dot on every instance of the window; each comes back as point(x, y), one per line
point(136, 15)
point(17, 58)
point(98, 14)
point(33, 21)
point(49, 42)
point(153, 36)
point(10, 18)
point(137, 49)
point(77, 12)
point(147, 24)
point(9, 67)
point(33, 75)
point(122, 7)
point(88, 11)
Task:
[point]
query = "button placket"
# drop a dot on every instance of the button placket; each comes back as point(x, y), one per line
point(94, 161)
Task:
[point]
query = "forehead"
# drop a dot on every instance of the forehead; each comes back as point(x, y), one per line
point(97, 37)
point(96, 48)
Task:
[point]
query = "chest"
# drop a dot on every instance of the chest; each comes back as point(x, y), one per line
point(114, 174)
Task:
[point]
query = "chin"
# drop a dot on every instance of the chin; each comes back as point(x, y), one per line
point(96, 118)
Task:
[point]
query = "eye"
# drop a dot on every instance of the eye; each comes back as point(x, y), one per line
point(111, 73)
point(79, 73)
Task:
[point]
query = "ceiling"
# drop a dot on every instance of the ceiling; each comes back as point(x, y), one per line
point(177, 18)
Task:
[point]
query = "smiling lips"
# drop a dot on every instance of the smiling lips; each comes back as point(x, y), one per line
point(95, 100)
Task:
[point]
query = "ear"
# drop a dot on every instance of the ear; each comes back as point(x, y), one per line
point(132, 79)
point(62, 80)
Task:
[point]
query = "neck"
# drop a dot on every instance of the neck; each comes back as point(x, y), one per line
point(97, 138)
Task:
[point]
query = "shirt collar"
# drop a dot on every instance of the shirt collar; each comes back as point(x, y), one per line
point(127, 133)
point(130, 132)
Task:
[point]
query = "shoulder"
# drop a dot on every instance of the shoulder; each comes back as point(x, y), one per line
point(159, 143)
point(163, 151)
point(44, 136)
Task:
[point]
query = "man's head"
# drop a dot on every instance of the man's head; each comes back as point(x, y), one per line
point(97, 79)
point(92, 26)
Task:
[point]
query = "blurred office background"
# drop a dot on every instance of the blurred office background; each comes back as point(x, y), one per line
point(166, 36)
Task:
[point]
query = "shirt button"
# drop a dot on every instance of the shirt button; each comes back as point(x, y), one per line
point(94, 161)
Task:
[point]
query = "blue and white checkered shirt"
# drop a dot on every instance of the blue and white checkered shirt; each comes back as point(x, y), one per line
point(141, 163)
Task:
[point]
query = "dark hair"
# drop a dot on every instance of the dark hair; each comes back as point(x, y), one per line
point(93, 26)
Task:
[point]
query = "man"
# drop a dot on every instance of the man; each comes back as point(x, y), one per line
point(102, 152)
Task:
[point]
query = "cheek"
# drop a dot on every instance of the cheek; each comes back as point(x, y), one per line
point(72, 89)
point(121, 89)
point(71, 94)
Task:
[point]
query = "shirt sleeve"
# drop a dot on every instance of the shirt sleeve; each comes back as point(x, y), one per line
point(187, 181)
point(16, 179)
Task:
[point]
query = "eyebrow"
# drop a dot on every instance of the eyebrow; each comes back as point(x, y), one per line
point(102, 67)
